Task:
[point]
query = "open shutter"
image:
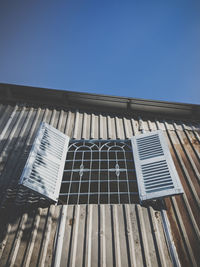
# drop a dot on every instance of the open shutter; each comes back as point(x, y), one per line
point(156, 174)
point(44, 167)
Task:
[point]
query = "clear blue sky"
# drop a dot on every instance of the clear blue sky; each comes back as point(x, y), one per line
point(143, 49)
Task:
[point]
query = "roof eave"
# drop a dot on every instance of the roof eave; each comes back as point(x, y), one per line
point(61, 98)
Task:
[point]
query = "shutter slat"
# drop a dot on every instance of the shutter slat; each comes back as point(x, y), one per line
point(156, 174)
point(44, 167)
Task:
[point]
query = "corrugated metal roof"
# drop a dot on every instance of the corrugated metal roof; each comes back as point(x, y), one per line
point(101, 235)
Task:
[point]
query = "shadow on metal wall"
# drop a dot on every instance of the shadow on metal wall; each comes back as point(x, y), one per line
point(15, 200)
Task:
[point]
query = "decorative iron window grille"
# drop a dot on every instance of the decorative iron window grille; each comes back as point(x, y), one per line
point(99, 172)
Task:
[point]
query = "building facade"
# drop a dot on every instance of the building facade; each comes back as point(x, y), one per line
point(112, 232)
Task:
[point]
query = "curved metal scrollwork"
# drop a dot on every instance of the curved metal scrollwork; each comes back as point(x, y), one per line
point(99, 171)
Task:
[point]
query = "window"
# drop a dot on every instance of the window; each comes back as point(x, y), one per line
point(100, 171)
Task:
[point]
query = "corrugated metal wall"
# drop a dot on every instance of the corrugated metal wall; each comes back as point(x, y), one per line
point(113, 235)
point(118, 235)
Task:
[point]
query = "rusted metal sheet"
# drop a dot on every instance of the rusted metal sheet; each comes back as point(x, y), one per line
point(104, 235)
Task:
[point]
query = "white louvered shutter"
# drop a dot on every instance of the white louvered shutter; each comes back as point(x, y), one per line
point(44, 167)
point(156, 174)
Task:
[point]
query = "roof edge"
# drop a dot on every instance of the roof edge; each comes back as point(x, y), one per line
point(61, 98)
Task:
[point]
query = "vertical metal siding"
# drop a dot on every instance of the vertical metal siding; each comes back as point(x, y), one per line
point(113, 235)
point(105, 235)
